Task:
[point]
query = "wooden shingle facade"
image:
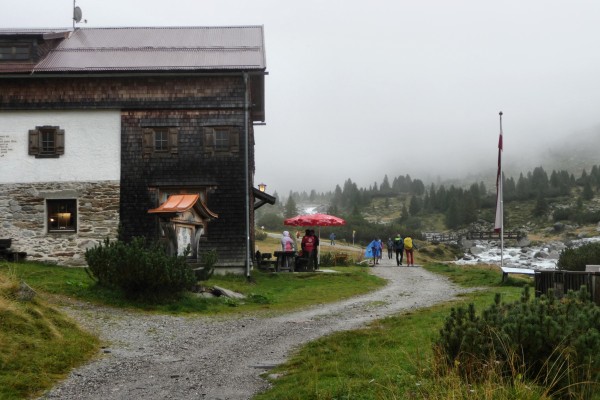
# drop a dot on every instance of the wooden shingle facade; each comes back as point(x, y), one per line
point(179, 116)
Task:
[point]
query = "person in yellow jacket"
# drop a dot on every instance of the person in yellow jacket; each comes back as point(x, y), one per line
point(408, 249)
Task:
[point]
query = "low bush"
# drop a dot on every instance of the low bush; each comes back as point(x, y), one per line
point(575, 259)
point(554, 343)
point(259, 234)
point(139, 269)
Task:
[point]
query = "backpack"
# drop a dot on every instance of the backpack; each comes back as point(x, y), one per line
point(408, 243)
point(398, 244)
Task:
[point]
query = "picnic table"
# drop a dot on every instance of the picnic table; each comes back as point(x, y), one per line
point(522, 271)
point(285, 261)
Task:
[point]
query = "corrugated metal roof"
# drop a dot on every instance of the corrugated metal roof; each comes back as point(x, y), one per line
point(159, 48)
point(32, 31)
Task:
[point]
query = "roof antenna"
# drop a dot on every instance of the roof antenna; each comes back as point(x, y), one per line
point(77, 15)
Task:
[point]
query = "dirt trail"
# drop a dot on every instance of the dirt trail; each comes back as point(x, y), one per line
point(165, 357)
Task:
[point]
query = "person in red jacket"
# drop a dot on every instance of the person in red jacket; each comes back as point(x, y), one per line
point(308, 249)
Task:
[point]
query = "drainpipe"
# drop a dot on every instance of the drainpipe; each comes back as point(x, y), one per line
point(247, 173)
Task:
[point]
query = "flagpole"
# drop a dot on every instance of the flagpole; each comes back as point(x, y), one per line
point(500, 193)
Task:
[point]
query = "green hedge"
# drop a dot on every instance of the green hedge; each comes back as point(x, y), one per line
point(555, 343)
point(139, 269)
point(575, 259)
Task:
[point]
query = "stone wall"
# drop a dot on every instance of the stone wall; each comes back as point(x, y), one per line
point(23, 219)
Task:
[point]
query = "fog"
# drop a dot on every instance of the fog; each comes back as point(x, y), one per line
point(363, 89)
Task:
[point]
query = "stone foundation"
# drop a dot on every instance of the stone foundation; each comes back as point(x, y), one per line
point(23, 219)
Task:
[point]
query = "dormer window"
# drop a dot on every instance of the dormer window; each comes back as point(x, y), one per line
point(15, 51)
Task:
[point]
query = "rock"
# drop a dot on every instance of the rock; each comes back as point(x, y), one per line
point(558, 227)
point(541, 254)
point(475, 250)
point(523, 242)
point(554, 255)
point(25, 293)
point(206, 295)
point(219, 291)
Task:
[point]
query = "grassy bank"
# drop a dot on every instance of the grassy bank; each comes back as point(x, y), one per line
point(38, 344)
point(267, 292)
point(393, 358)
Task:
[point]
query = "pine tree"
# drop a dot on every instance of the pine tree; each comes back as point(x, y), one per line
point(541, 206)
point(291, 210)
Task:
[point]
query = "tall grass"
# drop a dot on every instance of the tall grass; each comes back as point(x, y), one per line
point(38, 345)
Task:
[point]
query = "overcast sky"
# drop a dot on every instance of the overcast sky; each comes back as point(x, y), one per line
point(360, 89)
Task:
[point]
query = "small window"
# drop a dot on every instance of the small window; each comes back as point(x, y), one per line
point(15, 51)
point(62, 215)
point(46, 142)
point(160, 140)
point(221, 140)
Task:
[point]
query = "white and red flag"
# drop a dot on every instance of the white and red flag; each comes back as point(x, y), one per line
point(499, 203)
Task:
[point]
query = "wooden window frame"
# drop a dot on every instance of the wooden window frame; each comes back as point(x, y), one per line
point(16, 51)
point(61, 215)
point(216, 144)
point(46, 142)
point(160, 141)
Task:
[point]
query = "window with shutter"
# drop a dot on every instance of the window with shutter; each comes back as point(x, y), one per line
point(46, 142)
point(160, 140)
point(221, 140)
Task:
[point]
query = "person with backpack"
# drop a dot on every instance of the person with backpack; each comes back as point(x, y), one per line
point(408, 248)
point(399, 248)
point(390, 248)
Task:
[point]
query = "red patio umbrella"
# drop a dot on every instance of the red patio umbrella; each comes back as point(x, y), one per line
point(315, 220)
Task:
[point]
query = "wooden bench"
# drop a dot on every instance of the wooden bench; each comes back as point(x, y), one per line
point(522, 271)
point(264, 261)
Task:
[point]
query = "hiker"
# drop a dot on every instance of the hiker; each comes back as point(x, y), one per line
point(376, 250)
point(308, 249)
point(408, 248)
point(390, 248)
point(287, 243)
point(372, 251)
point(399, 248)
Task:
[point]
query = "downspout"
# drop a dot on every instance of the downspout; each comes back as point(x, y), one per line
point(247, 173)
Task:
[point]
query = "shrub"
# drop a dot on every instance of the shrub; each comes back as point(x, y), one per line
point(208, 259)
point(259, 234)
point(575, 259)
point(326, 259)
point(554, 343)
point(139, 269)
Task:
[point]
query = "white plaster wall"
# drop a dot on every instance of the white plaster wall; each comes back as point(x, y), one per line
point(92, 146)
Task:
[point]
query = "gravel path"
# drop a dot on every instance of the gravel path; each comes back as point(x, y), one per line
point(166, 357)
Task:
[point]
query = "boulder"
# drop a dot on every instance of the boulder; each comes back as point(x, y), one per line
point(25, 293)
point(541, 254)
point(219, 291)
point(558, 227)
point(475, 250)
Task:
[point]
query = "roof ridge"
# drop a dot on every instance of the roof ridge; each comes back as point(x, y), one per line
point(157, 48)
point(169, 27)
